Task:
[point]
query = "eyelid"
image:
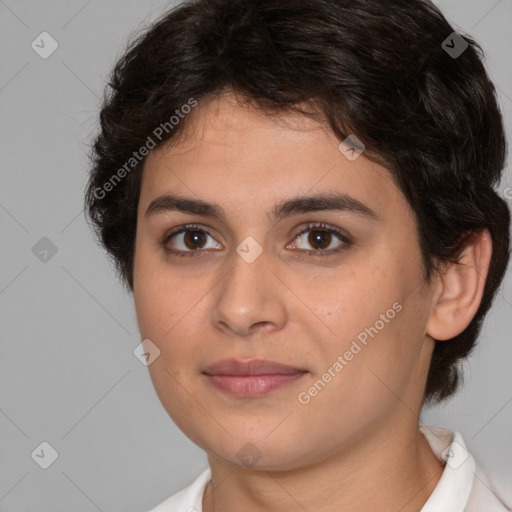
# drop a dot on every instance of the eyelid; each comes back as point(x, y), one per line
point(183, 229)
point(322, 226)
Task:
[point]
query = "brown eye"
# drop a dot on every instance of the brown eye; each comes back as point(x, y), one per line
point(319, 239)
point(189, 240)
point(194, 239)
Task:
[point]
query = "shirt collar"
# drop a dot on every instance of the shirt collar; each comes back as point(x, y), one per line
point(454, 488)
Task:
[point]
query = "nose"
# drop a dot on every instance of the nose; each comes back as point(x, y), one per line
point(249, 299)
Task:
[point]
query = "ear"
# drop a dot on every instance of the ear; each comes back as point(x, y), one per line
point(460, 288)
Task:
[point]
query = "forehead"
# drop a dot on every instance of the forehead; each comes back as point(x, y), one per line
point(234, 153)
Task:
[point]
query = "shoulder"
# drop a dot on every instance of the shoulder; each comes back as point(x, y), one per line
point(483, 496)
point(463, 487)
point(189, 499)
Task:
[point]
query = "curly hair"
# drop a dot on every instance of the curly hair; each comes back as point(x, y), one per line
point(375, 69)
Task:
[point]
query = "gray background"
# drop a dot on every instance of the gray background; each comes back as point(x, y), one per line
point(68, 375)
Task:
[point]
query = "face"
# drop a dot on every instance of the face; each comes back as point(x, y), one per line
point(332, 289)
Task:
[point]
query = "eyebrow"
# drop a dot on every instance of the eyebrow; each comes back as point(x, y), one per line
point(333, 201)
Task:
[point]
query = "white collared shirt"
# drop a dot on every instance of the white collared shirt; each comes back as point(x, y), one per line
point(462, 487)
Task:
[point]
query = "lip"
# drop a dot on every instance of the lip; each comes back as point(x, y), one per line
point(252, 367)
point(251, 378)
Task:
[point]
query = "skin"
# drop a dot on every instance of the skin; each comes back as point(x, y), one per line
point(356, 445)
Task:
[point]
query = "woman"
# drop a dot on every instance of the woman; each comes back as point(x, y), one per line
point(300, 196)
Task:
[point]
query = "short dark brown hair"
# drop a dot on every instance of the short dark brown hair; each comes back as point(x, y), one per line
point(371, 68)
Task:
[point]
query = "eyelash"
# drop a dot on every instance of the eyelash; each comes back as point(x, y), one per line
point(347, 242)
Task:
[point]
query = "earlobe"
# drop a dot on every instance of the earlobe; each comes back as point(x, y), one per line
point(461, 289)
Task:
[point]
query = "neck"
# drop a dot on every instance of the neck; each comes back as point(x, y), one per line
point(392, 469)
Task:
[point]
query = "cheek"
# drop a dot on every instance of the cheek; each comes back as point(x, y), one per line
point(156, 293)
point(375, 323)
point(349, 301)
point(170, 311)
point(385, 359)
